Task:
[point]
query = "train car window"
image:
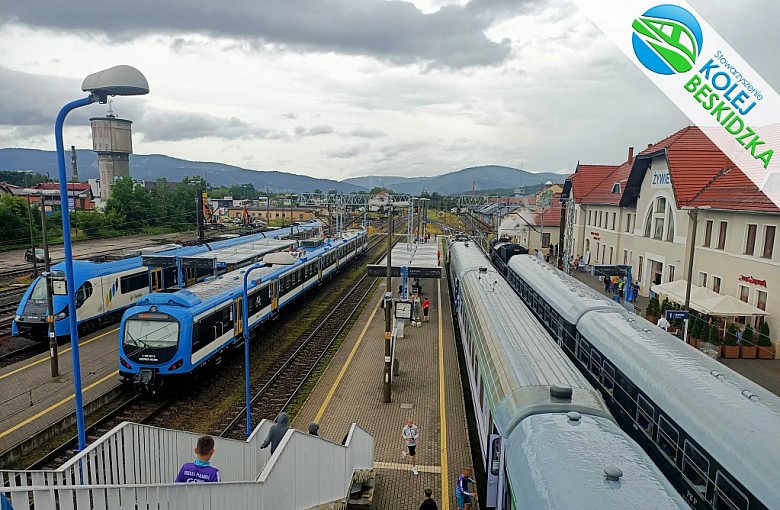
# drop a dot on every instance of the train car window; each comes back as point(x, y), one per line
point(645, 414)
point(696, 468)
point(496, 447)
point(668, 438)
point(83, 293)
point(727, 495)
point(583, 351)
point(133, 282)
point(608, 377)
point(546, 314)
point(595, 364)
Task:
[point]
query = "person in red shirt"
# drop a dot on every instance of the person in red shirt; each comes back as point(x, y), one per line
point(426, 306)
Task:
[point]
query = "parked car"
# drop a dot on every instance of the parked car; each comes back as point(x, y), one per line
point(28, 255)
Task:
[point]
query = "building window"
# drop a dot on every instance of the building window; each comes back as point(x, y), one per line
point(723, 228)
point(716, 284)
point(628, 222)
point(589, 214)
point(648, 223)
point(702, 279)
point(587, 245)
point(744, 293)
point(769, 241)
point(707, 233)
point(603, 253)
point(611, 253)
point(761, 300)
point(658, 231)
point(545, 239)
point(625, 257)
point(671, 273)
point(614, 217)
point(639, 273)
point(600, 218)
point(616, 188)
point(660, 205)
point(595, 259)
point(670, 230)
point(750, 239)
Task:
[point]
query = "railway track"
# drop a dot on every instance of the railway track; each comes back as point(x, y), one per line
point(135, 408)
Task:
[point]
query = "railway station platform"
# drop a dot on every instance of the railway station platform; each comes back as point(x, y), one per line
point(33, 401)
point(428, 390)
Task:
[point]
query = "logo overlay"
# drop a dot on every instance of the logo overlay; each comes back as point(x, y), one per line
point(704, 76)
point(667, 39)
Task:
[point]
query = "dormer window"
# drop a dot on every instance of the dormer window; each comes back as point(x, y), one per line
point(616, 188)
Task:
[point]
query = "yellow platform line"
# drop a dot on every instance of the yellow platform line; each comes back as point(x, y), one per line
point(47, 358)
point(55, 406)
point(344, 368)
point(445, 479)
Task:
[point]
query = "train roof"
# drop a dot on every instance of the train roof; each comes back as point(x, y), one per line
point(240, 253)
point(731, 417)
point(570, 297)
point(220, 288)
point(568, 458)
point(518, 359)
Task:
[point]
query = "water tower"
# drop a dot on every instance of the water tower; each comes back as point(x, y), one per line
point(112, 139)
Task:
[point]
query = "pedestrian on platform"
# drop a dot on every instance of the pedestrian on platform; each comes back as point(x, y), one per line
point(314, 429)
point(416, 309)
point(462, 493)
point(616, 297)
point(663, 323)
point(428, 503)
point(621, 285)
point(607, 283)
point(277, 432)
point(410, 435)
point(739, 337)
point(200, 471)
point(426, 306)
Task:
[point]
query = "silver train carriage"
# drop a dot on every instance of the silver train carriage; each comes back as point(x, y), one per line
point(547, 438)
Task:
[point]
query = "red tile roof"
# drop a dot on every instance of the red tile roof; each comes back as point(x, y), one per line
point(694, 160)
point(602, 194)
point(587, 177)
point(75, 186)
point(552, 215)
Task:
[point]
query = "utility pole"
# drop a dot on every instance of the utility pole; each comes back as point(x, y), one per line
point(291, 215)
point(55, 368)
point(32, 236)
point(388, 308)
point(267, 206)
point(199, 212)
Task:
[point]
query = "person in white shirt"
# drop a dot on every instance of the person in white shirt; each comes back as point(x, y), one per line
point(663, 323)
point(410, 435)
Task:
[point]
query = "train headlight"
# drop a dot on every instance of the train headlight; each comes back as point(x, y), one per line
point(125, 363)
point(176, 365)
point(62, 315)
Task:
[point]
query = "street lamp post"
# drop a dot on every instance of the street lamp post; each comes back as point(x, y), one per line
point(116, 81)
point(245, 327)
point(387, 397)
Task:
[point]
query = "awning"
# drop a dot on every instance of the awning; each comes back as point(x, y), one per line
point(706, 301)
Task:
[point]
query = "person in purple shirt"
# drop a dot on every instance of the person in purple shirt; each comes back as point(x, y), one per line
point(462, 493)
point(201, 470)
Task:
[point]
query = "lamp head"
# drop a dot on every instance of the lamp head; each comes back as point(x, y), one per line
point(116, 81)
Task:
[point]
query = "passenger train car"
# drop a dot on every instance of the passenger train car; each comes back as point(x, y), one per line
point(711, 430)
point(547, 439)
point(173, 334)
point(105, 290)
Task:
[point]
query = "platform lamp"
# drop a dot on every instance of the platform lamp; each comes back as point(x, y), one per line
point(115, 81)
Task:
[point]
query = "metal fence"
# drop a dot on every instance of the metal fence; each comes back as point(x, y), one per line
point(133, 467)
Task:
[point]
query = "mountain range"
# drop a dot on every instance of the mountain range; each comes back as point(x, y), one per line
point(154, 166)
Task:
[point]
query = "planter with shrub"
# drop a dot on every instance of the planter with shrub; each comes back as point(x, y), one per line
point(731, 348)
point(765, 348)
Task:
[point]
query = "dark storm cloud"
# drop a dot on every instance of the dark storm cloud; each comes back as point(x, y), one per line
point(393, 31)
point(29, 104)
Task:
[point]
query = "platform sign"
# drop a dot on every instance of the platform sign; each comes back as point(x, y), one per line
point(676, 315)
point(609, 270)
point(414, 272)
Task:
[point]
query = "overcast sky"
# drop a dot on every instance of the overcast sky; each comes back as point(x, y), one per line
point(342, 88)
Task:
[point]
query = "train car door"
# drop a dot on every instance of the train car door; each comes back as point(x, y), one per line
point(319, 268)
point(191, 276)
point(238, 324)
point(157, 279)
point(493, 471)
point(274, 295)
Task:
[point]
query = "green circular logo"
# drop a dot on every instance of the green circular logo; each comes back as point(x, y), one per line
point(667, 39)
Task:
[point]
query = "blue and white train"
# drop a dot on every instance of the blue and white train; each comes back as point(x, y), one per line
point(173, 334)
point(105, 290)
point(547, 439)
point(712, 431)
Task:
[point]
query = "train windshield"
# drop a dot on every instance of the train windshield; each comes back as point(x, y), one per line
point(154, 334)
point(39, 291)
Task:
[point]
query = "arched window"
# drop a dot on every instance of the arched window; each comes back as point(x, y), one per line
point(670, 231)
point(648, 223)
point(660, 205)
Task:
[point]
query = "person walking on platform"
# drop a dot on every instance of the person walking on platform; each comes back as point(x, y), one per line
point(200, 471)
point(428, 503)
point(277, 432)
point(462, 493)
point(410, 435)
point(314, 429)
point(426, 307)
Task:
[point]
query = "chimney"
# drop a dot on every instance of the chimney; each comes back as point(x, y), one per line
point(649, 145)
point(630, 154)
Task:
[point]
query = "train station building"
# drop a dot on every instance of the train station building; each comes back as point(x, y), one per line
point(642, 213)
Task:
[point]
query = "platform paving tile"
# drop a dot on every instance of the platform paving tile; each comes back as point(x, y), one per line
point(358, 398)
point(33, 399)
